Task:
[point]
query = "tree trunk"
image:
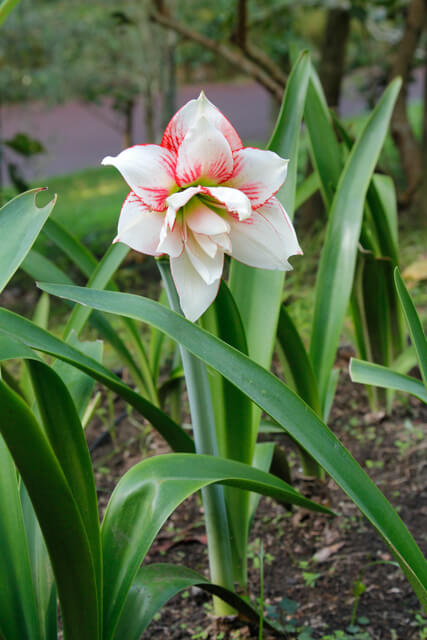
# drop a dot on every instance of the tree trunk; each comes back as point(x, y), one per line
point(128, 130)
point(331, 71)
point(419, 209)
point(333, 53)
point(149, 121)
point(409, 149)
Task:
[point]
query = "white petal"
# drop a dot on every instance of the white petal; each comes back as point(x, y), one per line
point(208, 246)
point(259, 174)
point(266, 240)
point(178, 200)
point(209, 268)
point(171, 240)
point(235, 201)
point(223, 241)
point(204, 155)
point(201, 219)
point(139, 227)
point(149, 170)
point(195, 295)
point(189, 114)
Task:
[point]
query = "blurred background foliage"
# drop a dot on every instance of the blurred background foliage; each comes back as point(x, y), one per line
point(133, 53)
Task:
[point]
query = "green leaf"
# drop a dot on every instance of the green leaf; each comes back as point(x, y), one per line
point(38, 267)
point(71, 246)
point(21, 221)
point(80, 385)
point(306, 189)
point(338, 259)
point(99, 279)
point(17, 327)
point(379, 376)
point(41, 268)
point(18, 615)
point(155, 584)
point(41, 312)
point(325, 149)
point(88, 265)
point(262, 459)
point(146, 496)
point(11, 349)
point(65, 533)
point(298, 364)
point(5, 8)
point(413, 322)
point(41, 569)
point(289, 411)
point(233, 422)
point(257, 290)
point(232, 407)
point(65, 435)
point(330, 394)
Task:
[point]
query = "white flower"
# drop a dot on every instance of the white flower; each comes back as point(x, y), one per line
point(200, 194)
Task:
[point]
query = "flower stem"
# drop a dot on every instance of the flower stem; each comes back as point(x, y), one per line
point(202, 418)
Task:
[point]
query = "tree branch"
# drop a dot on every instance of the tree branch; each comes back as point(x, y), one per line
point(235, 57)
point(253, 53)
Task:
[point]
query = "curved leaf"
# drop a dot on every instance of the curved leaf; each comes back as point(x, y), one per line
point(58, 515)
point(413, 322)
point(21, 221)
point(71, 246)
point(375, 374)
point(17, 593)
point(146, 496)
point(258, 292)
point(155, 584)
point(41, 569)
point(289, 411)
point(65, 435)
point(6, 7)
point(337, 263)
point(297, 360)
point(13, 325)
point(99, 279)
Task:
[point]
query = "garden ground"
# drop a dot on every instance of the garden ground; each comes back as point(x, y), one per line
point(312, 564)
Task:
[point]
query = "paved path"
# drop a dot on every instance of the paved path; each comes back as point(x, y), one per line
point(77, 136)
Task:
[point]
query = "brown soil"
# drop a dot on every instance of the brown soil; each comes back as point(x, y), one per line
point(311, 560)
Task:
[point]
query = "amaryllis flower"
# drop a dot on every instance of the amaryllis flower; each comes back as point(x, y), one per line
point(200, 194)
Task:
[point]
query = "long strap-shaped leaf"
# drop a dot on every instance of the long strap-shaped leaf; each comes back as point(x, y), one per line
point(41, 569)
point(155, 584)
point(21, 221)
point(18, 614)
point(414, 324)
point(6, 7)
point(233, 423)
point(337, 263)
point(290, 412)
point(298, 362)
point(99, 275)
point(99, 279)
point(65, 434)
point(258, 292)
point(375, 374)
point(41, 268)
point(58, 514)
point(146, 496)
point(12, 324)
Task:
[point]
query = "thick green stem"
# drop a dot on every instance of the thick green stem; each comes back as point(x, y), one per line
point(202, 418)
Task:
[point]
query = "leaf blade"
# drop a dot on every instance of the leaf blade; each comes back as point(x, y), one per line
point(270, 394)
point(21, 221)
